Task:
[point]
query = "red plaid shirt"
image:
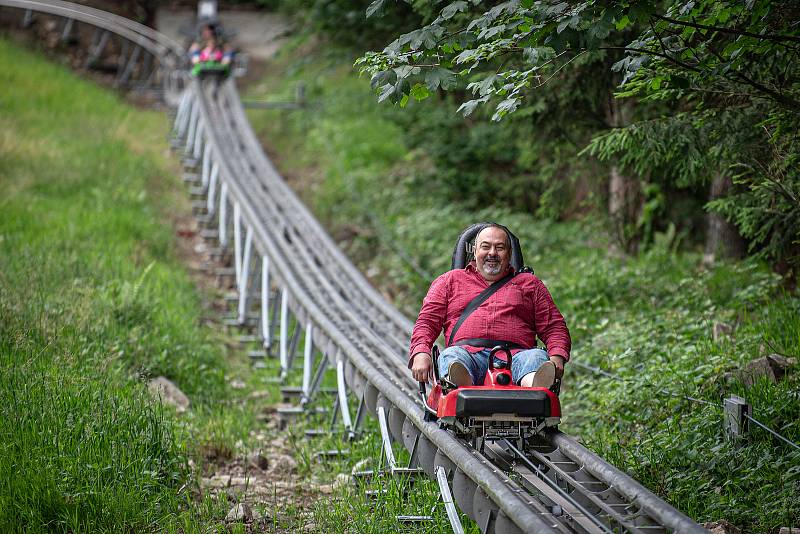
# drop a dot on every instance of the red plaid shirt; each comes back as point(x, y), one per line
point(518, 312)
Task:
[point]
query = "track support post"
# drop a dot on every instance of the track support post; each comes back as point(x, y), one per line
point(283, 339)
point(27, 19)
point(266, 334)
point(316, 382)
point(223, 215)
point(212, 189)
point(191, 135)
point(447, 499)
point(67, 36)
point(244, 280)
point(387, 453)
point(342, 398)
point(273, 322)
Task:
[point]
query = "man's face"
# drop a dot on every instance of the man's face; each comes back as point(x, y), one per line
point(492, 254)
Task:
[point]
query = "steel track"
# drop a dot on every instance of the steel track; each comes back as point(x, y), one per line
point(555, 485)
point(168, 54)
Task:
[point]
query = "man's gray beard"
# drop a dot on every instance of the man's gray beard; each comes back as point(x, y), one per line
point(491, 270)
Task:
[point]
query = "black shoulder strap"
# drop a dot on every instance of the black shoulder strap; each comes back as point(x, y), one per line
point(475, 303)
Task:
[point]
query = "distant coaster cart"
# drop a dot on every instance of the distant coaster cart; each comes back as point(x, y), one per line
point(212, 67)
point(210, 54)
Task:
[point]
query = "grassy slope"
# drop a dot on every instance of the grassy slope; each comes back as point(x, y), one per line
point(91, 299)
point(648, 319)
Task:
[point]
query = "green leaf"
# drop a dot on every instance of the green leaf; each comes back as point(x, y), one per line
point(381, 78)
point(600, 30)
point(404, 71)
point(556, 9)
point(484, 86)
point(426, 36)
point(655, 83)
point(464, 56)
point(439, 77)
point(456, 7)
point(469, 106)
point(375, 7)
point(386, 92)
point(538, 54)
point(509, 105)
point(640, 13)
point(420, 92)
point(488, 33)
point(623, 23)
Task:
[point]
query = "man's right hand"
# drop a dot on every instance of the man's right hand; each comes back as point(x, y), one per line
point(421, 366)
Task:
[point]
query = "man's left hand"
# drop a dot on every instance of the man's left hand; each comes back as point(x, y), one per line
point(558, 361)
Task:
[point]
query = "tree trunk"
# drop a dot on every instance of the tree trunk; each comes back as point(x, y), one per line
point(722, 238)
point(624, 192)
point(146, 12)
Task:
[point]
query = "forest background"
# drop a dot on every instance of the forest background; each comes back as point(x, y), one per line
point(644, 152)
point(675, 117)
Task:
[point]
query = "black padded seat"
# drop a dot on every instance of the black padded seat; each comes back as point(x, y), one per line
point(487, 402)
point(463, 254)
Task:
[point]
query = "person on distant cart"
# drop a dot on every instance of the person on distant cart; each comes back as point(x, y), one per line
point(209, 52)
point(520, 310)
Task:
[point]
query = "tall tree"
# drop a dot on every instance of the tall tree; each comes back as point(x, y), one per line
point(708, 64)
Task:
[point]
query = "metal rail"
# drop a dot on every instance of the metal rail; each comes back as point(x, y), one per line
point(168, 56)
point(282, 256)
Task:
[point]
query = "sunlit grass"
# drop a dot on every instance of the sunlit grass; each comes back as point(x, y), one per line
point(92, 301)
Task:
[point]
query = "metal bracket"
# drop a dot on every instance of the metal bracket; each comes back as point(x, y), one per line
point(66, 33)
point(27, 19)
point(360, 413)
point(293, 342)
point(736, 412)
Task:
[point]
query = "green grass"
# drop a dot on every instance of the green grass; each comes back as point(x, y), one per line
point(647, 319)
point(93, 301)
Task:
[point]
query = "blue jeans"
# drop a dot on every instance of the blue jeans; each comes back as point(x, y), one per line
point(523, 362)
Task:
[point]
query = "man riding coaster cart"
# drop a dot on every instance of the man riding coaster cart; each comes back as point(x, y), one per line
point(491, 381)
